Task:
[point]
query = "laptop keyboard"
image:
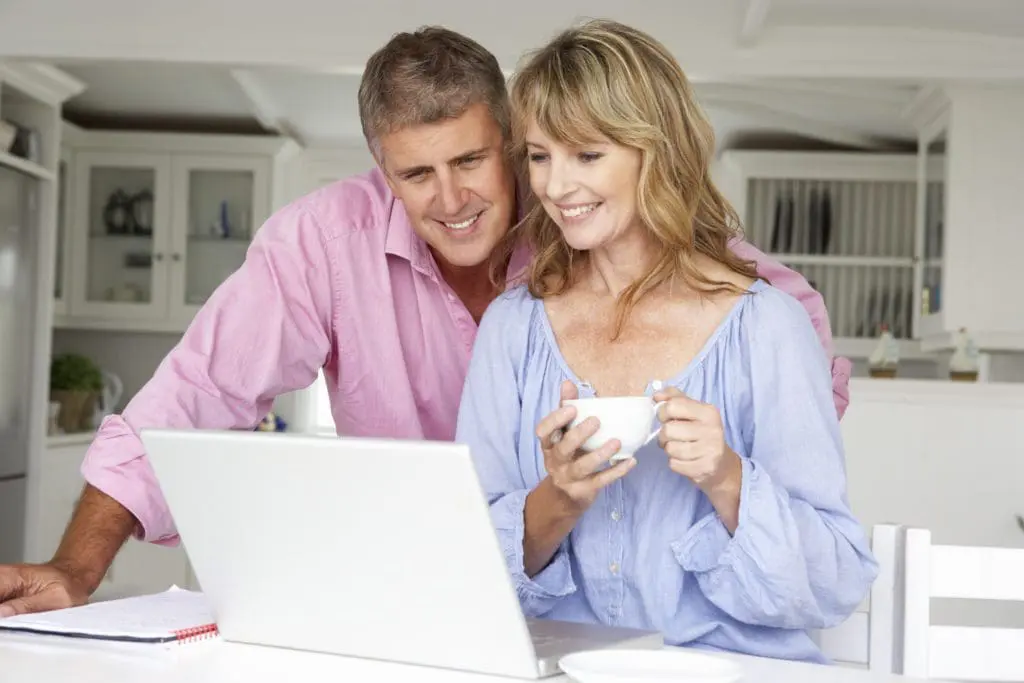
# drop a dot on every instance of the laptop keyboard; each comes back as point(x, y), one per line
point(543, 640)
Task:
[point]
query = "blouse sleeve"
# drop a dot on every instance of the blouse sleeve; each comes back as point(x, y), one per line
point(489, 420)
point(798, 558)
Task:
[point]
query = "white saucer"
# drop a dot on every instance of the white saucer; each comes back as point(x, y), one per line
point(651, 666)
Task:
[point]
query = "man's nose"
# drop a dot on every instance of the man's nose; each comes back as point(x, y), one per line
point(452, 195)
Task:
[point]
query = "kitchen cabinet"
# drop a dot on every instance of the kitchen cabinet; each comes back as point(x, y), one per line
point(945, 456)
point(970, 147)
point(928, 242)
point(157, 222)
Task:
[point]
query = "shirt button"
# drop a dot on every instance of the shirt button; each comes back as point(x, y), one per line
point(616, 515)
point(614, 568)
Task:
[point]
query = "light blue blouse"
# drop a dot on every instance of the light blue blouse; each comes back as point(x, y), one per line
point(651, 552)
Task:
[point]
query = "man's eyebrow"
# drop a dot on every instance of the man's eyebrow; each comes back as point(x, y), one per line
point(415, 170)
point(470, 154)
point(412, 170)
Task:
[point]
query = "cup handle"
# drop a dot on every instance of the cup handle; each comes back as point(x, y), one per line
point(654, 435)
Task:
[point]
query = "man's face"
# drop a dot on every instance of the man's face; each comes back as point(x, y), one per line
point(455, 182)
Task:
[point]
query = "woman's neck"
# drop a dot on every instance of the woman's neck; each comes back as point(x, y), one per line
point(613, 268)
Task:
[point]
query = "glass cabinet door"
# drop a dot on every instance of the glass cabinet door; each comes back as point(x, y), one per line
point(934, 215)
point(119, 253)
point(60, 243)
point(219, 203)
point(219, 229)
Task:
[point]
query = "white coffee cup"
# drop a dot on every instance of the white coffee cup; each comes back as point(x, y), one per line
point(626, 418)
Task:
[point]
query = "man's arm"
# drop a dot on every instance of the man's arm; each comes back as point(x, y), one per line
point(794, 284)
point(97, 530)
point(267, 330)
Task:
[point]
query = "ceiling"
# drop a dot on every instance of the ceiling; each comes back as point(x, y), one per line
point(987, 17)
point(794, 72)
point(319, 109)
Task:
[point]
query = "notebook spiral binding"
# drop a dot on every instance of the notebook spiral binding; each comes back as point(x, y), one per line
point(191, 635)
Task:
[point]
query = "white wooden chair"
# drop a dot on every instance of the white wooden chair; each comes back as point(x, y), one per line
point(973, 573)
point(869, 639)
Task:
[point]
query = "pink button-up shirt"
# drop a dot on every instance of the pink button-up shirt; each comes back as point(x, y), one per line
point(336, 280)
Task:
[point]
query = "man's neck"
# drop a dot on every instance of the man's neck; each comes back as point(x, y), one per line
point(472, 284)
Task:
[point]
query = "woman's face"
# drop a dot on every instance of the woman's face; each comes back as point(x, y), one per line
point(590, 192)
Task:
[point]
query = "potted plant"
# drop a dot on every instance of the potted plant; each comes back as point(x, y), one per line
point(75, 383)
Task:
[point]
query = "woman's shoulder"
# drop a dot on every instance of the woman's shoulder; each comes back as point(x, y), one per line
point(510, 317)
point(512, 327)
point(774, 318)
point(514, 302)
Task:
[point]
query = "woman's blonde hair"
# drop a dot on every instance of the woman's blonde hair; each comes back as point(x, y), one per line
point(604, 80)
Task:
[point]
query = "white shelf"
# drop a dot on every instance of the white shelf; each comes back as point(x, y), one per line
point(854, 348)
point(846, 223)
point(836, 260)
point(73, 439)
point(25, 166)
point(208, 239)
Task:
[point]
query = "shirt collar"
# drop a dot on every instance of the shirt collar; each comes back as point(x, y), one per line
point(400, 239)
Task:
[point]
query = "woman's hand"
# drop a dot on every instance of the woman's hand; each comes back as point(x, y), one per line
point(694, 439)
point(574, 473)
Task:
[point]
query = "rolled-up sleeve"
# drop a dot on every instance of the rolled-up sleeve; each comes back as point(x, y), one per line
point(489, 423)
point(264, 332)
point(539, 594)
point(798, 558)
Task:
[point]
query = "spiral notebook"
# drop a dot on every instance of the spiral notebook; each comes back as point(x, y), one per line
point(173, 616)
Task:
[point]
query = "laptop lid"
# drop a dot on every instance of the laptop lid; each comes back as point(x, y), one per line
point(365, 547)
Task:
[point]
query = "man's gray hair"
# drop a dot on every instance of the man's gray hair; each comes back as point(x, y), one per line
point(427, 76)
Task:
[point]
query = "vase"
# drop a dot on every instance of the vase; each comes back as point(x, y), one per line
point(76, 409)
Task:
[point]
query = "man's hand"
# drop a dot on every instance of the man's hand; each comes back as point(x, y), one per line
point(97, 530)
point(26, 588)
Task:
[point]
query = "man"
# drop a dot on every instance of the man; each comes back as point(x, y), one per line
point(380, 280)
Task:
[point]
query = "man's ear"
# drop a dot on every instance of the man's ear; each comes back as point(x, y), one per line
point(378, 156)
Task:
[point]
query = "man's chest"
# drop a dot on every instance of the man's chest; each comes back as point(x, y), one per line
point(402, 351)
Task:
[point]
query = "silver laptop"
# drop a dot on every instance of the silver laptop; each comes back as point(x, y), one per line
point(371, 548)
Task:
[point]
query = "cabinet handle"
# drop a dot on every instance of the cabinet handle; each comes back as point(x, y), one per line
point(175, 257)
point(158, 256)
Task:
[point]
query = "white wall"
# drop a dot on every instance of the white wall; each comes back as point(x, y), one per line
point(985, 185)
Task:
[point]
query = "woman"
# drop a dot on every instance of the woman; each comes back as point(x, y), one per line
point(732, 530)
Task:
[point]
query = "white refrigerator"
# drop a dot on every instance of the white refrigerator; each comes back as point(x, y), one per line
point(19, 243)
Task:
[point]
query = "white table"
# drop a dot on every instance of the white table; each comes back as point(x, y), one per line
point(24, 659)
